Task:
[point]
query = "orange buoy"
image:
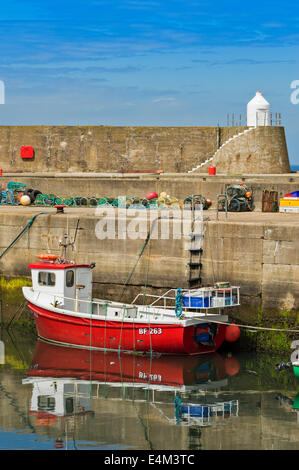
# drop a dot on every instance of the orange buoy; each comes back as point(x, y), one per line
point(248, 194)
point(47, 257)
point(232, 366)
point(232, 333)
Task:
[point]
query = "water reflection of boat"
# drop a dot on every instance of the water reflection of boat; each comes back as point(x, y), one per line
point(292, 404)
point(293, 363)
point(295, 406)
point(205, 414)
point(169, 372)
point(295, 358)
point(63, 378)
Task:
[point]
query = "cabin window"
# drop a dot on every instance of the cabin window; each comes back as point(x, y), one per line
point(69, 405)
point(69, 281)
point(45, 403)
point(46, 279)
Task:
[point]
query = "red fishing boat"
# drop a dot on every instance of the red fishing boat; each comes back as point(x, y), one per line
point(181, 321)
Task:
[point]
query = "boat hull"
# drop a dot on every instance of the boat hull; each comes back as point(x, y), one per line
point(120, 335)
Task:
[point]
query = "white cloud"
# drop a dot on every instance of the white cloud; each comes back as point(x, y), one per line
point(161, 100)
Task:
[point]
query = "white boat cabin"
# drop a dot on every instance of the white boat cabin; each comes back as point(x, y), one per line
point(67, 286)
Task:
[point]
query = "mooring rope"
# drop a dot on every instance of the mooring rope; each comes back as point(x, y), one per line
point(24, 230)
point(263, 328)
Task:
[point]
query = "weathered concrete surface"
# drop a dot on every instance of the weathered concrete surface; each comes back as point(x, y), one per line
point(177, 185)
point(258, 251)
point(121, 149)
point(107, 148)
point(260, 150)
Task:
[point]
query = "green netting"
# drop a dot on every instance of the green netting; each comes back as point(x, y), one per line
point(59, 200)
point(67, 201)
point(102, 201)
point(164, 201)
point(39, 200)
point(12, 186)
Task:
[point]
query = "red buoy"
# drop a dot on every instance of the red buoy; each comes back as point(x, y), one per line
point(232, 333)
point(232, 366)
point(151, 195)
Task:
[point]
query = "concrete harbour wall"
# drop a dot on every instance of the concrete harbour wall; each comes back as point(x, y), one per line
point(261, 150)
point(259, 252)
point(69, 149)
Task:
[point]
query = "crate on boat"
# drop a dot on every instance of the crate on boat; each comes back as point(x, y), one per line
point(200, 411)
point(196, 301)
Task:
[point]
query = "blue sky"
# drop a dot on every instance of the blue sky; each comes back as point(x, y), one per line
point(147, 62)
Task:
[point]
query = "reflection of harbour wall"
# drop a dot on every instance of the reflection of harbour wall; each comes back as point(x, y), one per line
point(134, 417)
point(271, 426)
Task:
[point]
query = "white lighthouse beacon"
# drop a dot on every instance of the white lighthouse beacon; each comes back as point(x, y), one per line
point(258, 111)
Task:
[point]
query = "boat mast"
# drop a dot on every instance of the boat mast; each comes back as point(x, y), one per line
point(67, 243)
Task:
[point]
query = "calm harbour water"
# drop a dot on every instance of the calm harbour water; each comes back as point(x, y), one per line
point(54, 397)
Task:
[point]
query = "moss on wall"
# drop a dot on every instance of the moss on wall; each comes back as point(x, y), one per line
point(14, 309)
point(277, 336)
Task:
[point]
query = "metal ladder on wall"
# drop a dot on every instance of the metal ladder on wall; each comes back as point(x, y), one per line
point(196, 243)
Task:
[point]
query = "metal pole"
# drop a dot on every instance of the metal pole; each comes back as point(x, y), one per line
point(217, 205)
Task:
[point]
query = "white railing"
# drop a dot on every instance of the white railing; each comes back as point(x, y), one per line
point(193, 300)
point(157, 298)
point(201, 298)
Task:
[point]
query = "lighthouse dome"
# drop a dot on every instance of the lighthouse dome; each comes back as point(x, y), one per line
point(258, 111)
